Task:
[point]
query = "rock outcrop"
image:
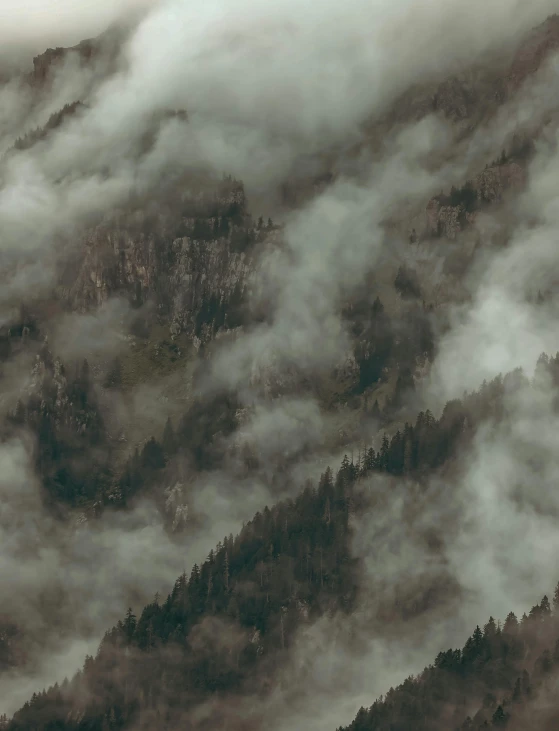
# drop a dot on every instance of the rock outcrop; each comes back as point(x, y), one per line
point(105, 47)
point(61, 411)
point(447, 215)
point(192, 260)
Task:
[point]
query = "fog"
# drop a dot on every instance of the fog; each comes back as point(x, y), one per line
point(27, 30)
point(265, 88)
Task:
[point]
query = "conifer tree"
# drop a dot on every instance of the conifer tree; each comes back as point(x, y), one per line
point(500, 718)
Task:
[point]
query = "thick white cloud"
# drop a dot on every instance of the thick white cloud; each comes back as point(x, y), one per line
point(29, 28)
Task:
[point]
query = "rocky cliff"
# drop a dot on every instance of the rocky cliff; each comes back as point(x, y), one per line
point(105, 48)
point(447, 215)
point(190, 259)
point(59, 408)
point(187, 253)
point(193, 260)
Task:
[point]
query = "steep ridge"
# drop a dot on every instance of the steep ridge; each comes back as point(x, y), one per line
point(105, 47)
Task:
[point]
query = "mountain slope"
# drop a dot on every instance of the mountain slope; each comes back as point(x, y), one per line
point(204, 359)
point(504, 676)
point(224, 633)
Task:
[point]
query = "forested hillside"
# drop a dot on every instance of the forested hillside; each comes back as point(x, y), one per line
point(278, 285)
point(227, 627)
point(504, 676)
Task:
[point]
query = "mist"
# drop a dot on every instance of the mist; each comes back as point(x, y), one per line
point(65, 583)
point(502, 323)
point(29, 30)
point(264, 88)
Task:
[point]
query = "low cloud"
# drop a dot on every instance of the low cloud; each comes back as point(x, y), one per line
point(64, 583)
point(503, 324)
point(40, 24)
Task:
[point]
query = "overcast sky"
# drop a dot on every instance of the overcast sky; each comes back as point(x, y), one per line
point(29, 27)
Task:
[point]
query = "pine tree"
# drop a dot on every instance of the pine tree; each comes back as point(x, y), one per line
point(327, 512)
point(408, 454)
point(490, 629)
point(384, 458)
point(370, 460)
point(544, 662)
point(511, 624)
point(152, 455)
point(500, 718)
point(525, 683)
point(210, 588)
point(129, 624)
point(535, 613)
